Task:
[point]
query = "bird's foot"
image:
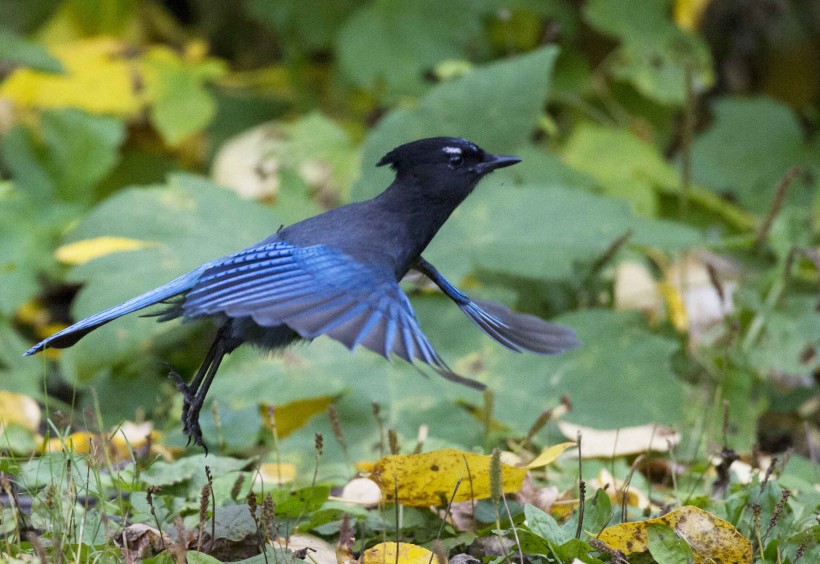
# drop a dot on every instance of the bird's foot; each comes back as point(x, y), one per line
point(190, 411)
point(192, 428)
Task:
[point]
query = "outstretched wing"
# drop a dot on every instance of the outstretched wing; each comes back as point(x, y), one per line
point(516, 331)
point(316, 291)
point(74, 333)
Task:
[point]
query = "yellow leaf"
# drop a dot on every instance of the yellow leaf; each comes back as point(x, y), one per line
point(689, 13)
point(548, 455)
point(430, 478)
point(294, 415)
point(271, 473)
point(617, 491)
point(78, 442)
point(20, 409)
point(80, 252)
point(712, 539)
point(99, 78)
point(386, 552)
point(675, 307)
point(130, 436)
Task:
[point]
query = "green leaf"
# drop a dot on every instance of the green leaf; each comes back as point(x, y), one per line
point(16, 439)
point(18, 374)
point(72, 153)
point(295, 503)
point(28, 233)
point(162, 473)
point(194, 557)
point(191, 220)
point(488, 106)
point(788, 333)
point(544, 525)
point(621, 375)
point(655, 54)
point(391, 43)
point(542, 231)
point(182, 104)
point(102, 17)
point(665, 545)
point(316, 147)
point(748, 149)
point(233, 522)
point(17, 51)
point(303, 25)
point(630, 168)
point(597, 514)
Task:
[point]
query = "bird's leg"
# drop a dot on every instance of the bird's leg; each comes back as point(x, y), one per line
point(193, 392)
point(188, 391)
point(191, 418)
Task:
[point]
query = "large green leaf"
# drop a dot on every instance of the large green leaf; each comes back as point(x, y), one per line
point(28, 233)
point(748, 149)
point(496, 106)
point(654, 54)
point(69, 155)
point(182, 104)
point(391, 43)
point(303, 25)
point(631, 168)
point(17, 51)
point(620, 375)
point(540, 231)
point(190, 221)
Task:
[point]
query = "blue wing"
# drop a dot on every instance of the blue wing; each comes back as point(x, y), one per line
point(74, 333)
point(518, 332)
point(317, 290)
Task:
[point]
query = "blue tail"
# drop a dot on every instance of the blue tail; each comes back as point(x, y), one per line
point(74, 333)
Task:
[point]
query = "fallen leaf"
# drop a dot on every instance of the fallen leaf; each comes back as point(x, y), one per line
point(20, 409)
point(542, 497)
point(294, 415)
point(79, 442)
point(316, 550)
point(431, 478)
point(130, 436)
point(699, 291)
point(362, 491)
point(402, 553)
point(711, 538)
point(140, 541)
point(614, 488)
point(272, 473)
point(636, 289)
point(609, 443)
point(549, 454)
point(81, 252)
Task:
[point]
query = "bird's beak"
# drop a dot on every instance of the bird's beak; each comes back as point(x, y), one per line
point(492, 162)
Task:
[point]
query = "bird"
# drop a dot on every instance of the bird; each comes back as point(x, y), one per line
point(338, 274)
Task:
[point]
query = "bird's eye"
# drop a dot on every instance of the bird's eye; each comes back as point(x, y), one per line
point(456, 161)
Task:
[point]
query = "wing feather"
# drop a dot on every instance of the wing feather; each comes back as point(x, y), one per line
point(316, 291)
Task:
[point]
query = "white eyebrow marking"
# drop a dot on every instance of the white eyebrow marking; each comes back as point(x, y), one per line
point(452, 150)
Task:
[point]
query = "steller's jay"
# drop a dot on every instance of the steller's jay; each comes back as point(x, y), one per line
point(338, 274)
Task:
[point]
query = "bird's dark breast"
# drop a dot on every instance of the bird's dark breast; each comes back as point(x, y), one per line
point(246, 330)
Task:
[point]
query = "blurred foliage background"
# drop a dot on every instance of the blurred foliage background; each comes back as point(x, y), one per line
point(667, 207)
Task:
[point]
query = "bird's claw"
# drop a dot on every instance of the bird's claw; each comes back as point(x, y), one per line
point(190, 411)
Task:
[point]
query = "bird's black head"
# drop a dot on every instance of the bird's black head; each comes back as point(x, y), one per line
point(445, 163)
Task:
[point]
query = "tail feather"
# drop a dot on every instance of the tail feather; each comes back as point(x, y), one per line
point(74, 333)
